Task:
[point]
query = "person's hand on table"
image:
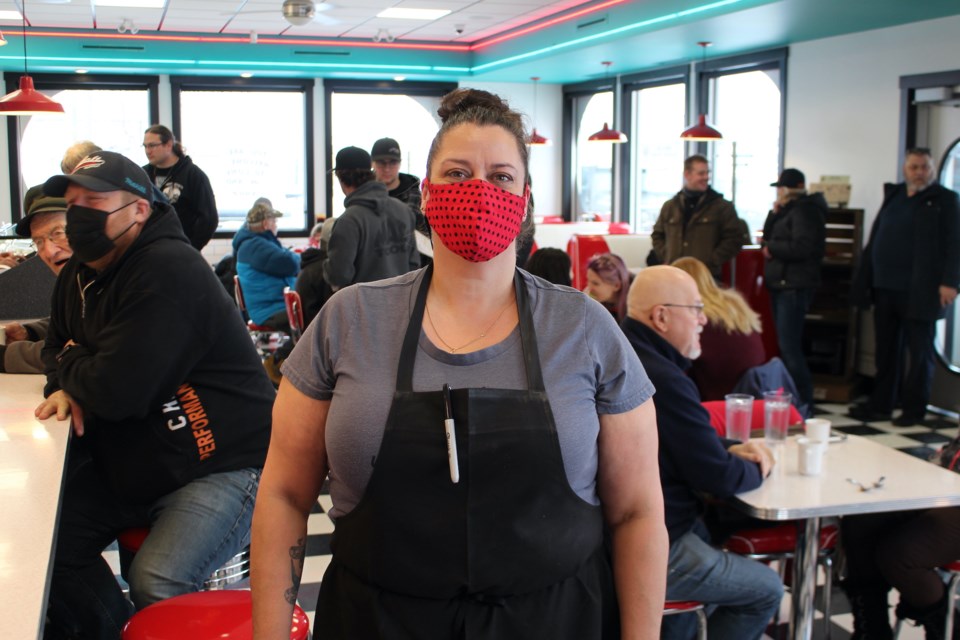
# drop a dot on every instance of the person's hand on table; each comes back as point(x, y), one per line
point(8, 260)
point(755, 451)
point(15, 332)
point(61, 405)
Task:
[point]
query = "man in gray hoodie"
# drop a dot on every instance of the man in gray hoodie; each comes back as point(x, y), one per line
point(373, 239)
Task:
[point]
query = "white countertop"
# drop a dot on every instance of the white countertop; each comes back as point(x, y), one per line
point(32, 455)
point(910, 483)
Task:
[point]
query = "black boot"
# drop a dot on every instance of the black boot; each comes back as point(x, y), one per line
point(932, 618)
point(871, 617)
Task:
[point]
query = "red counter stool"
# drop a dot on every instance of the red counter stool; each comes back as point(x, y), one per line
point(676, 607)
point(206, 615)
point(265, 338)
point(953, 593)
point(234, 570)
point(767, 544)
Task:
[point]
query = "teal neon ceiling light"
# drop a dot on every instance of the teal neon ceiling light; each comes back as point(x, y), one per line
point(677, 15)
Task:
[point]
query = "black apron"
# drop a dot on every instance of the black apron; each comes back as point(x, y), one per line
point(508, 552)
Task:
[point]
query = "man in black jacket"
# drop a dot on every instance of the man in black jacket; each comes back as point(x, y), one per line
point(910, 271)
point(150, 358)
point(183, 183)
point(794, 239)
point(663, 324)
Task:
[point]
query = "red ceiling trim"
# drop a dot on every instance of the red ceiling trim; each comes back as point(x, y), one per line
point(539, 26)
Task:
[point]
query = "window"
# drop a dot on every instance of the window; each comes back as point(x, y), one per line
point(261, 150)
point(745, 96)
point(657, 104)
point(360, 113)
point(111, 111)
point(592, 161)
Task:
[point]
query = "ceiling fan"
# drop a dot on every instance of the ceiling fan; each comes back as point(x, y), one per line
point(299, 12)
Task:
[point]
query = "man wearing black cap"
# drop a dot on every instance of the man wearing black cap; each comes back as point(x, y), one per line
point(909, 272)
point(149, 357)
point(44, 223)
point(386, 163)
point(794, 239)
point(373, 238)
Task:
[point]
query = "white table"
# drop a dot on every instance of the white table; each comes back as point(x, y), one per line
point(910, 483)
point(32, 456)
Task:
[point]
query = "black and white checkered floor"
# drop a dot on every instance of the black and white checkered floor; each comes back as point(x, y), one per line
point(918, 440)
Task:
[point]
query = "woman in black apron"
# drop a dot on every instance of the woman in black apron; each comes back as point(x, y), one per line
point(467, 526)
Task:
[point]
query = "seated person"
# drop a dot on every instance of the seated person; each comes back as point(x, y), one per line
point(900, 550)
point(665, 315)
point(608, 280)
point(170, 405)
point(265, 267)
point(313, 289)
point(553, 265)
point(730, 341)
point(44, 222)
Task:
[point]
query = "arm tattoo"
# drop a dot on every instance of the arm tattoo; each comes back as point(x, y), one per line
point(298, 553)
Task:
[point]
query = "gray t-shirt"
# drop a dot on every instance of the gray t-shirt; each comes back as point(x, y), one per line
point(349, 355)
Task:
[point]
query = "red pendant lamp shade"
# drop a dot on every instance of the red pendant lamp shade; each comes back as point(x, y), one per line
point(701, 131)
point(27, 101)
point(535, 139)
point(608, 135)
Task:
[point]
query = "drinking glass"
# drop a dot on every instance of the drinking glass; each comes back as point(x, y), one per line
point(776, 416)
point(739, 416)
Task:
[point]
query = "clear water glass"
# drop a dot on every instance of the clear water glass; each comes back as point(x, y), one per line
point(739, 408)
point(776, 416)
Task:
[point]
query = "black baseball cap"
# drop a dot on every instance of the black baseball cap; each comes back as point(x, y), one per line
point(34, 203)
point(386, 149)
point(103, 171)
point(352, 158)
point(790, 178)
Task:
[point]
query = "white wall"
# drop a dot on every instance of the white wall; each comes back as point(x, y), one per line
point(545, 162)
point(843, 102)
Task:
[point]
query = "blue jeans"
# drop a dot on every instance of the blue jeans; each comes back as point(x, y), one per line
point(789, 312)
point(742, 595)
point(193, 531)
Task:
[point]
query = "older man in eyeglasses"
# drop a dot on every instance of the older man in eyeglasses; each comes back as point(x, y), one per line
point(663, 324)
point(44, 222)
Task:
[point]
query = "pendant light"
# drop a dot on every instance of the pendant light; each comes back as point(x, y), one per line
point(702, 131)
point(535, 139)
point(27, 101)
point(607, 134)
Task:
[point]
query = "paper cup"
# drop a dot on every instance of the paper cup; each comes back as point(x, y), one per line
point(810, 452)
point(817, 429)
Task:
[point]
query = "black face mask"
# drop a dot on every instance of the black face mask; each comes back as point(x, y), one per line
point(86, 232)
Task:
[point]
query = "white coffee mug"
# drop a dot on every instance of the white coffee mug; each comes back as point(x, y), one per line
point(817, 429)
point(810, 452)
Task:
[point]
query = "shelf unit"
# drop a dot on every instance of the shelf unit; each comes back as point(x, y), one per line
point(832, 326)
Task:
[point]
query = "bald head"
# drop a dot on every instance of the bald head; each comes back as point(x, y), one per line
point(667, 300)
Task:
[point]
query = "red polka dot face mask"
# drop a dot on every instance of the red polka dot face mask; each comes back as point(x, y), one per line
point(475, 219)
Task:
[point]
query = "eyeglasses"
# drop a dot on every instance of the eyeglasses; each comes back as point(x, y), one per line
point(153, 145)
point(697, 307)
point(57, 236)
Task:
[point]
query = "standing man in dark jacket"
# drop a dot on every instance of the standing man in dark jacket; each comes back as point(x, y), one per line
point(663, 324)
point(909, 271)
point(149, 357)
point(698, 222)
point(373, 238)
point(794, 240)
point(184, 184)
point(402, 186)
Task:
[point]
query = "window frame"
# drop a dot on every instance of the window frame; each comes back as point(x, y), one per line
point(46, 82)
point(568, 127)
point(766, 60)
point(179, 84)
point(378, 87)
point(629, 83)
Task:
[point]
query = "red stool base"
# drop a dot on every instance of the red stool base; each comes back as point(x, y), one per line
point(206, 615)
